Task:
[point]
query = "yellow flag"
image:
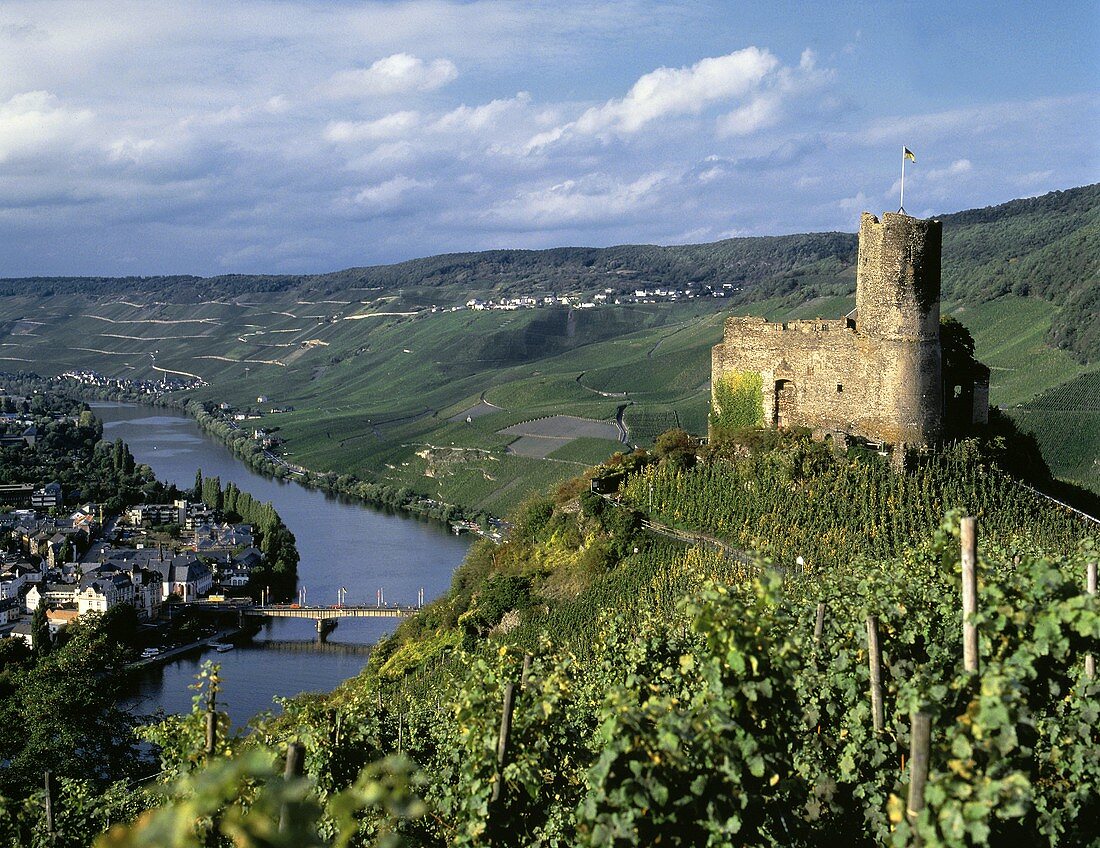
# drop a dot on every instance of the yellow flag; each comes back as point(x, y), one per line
point(906, 153)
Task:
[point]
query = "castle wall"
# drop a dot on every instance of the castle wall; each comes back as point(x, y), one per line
point(832, 378)
point(879, 376)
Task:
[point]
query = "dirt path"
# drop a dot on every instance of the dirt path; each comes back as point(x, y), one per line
point(597, 391)
point(171, 371)
point(663, 339)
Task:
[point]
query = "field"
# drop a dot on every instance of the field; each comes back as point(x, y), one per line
point(1066, 422)
point(1010, 333)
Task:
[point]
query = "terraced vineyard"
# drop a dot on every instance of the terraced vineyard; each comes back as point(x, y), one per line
point(376, 369)
point(1081, 394)
point(1066, 422)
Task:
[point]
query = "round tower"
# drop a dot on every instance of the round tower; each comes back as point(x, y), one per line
point(898, 311)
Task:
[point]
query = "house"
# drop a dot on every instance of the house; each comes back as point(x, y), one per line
point(54, 594)
point(198, 514)
point(238, 570)
point(156, 514)
point(9, 610)
point(23, 630)
point(216, 539)
point(26, 439)
point(15, 494)
point(61, 547)
point(104, 588)
point(249, 558)
point(57, 620)
point(147, 592)
point(86, 518)
point(15, 577)
point(48, 497)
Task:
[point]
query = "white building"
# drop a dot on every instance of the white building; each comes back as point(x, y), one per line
point(101, 590)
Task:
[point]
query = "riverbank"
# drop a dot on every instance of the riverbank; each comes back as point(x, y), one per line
point(264, 461)
point(343, 544)
point(169, 654)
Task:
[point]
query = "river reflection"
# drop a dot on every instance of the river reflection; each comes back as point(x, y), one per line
point(342, 544)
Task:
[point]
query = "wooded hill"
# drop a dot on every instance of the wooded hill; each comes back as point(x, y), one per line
point(1044, 247)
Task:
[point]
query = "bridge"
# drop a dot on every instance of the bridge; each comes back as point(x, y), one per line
point(323, 613)
point(327, 617)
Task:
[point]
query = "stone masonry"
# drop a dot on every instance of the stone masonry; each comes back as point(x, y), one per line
point(875, 373)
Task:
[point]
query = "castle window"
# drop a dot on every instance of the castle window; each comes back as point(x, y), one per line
point(839, 388)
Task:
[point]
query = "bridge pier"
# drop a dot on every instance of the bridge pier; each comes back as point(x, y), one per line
point(324, 627)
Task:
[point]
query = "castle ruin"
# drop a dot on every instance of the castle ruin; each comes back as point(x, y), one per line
point(876, 373)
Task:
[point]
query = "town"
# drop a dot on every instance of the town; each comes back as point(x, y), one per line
point(64, 557)
point(607, 297)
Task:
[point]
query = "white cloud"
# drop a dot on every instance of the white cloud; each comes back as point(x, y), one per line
point(674, 91)
point(760, 112)
point(752, 76)
point(858, 203)
point(592, 199)
point(264, 131)
point(34, 121)
point(952, 171)
point(400, 73)
point(476, 118)
point(387, 127)
point(388, 195)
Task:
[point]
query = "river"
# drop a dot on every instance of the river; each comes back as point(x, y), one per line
point(342, 544)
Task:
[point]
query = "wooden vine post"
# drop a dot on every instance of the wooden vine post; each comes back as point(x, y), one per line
point(212, 718)
point(502, 740)
point(968, 538)
point(920, 733)
point(819, 622)
point(51, 801)
point(1090, 584)
point(874, 661)
point(295, 768)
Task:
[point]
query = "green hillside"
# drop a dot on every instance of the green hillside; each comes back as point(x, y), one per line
point(382, 372)
point(686, 693)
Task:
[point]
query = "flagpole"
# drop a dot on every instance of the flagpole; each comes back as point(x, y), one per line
point(901, 208)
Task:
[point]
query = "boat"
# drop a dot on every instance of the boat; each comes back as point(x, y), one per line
point(221, 647)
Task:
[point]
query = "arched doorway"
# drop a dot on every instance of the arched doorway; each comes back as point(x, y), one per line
point(784, 403)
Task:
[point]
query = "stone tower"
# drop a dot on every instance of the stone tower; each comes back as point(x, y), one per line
point(898, 307)
point(876, 373)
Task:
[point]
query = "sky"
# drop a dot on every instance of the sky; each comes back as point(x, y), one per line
point(284, 136)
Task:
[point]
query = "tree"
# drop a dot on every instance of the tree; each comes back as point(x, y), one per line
point(40, 630)
point(196, 490)
point(676, 447)
point(957, 346)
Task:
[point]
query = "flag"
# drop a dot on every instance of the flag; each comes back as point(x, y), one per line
point(906, 153)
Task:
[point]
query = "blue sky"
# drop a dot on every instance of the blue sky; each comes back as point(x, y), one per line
point(156, 137)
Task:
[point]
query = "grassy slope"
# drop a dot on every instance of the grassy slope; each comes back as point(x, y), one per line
point(373, 396)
